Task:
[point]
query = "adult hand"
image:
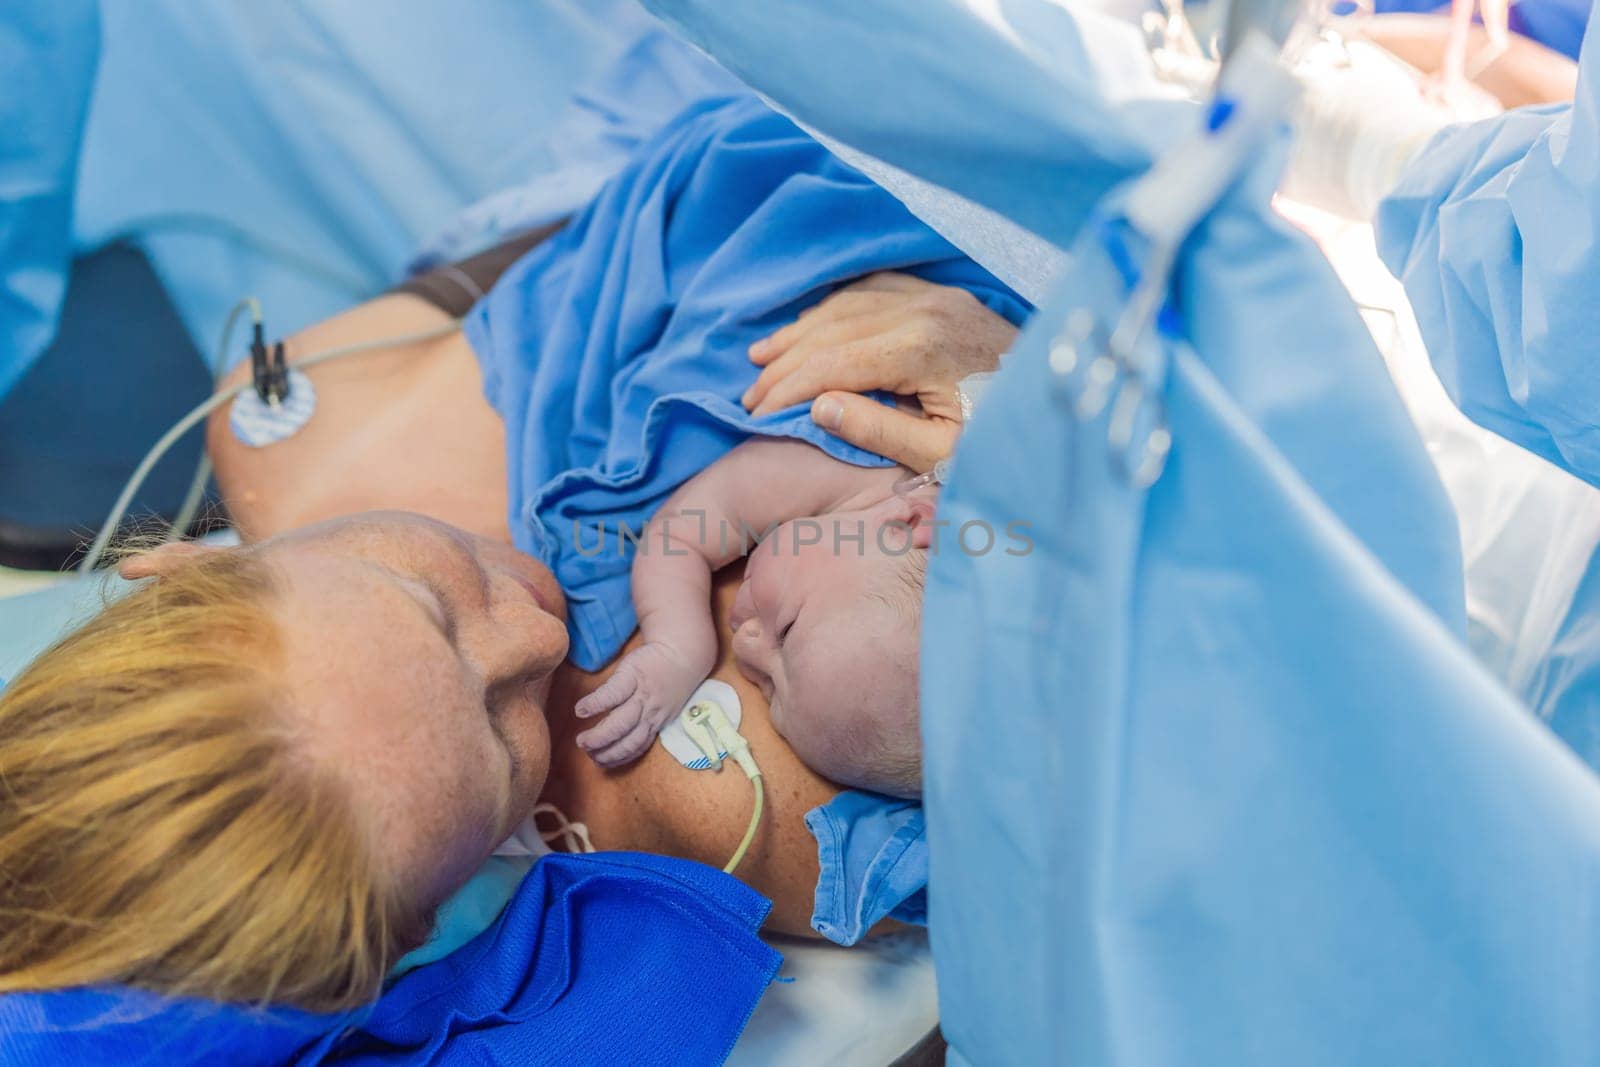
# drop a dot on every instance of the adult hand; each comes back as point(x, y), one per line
point(890, 332)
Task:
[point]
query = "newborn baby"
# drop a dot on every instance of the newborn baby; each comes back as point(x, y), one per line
point(826, 622)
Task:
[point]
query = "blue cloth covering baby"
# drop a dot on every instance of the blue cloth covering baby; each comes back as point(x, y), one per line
point(616, 352)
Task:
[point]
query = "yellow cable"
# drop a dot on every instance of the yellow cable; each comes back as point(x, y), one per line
point(755, 821)
point(708, 726)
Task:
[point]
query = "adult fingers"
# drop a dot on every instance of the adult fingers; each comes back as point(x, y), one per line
point(843, 303)
point(910, 440)
point(841, 307)
point(874, 292)
point(890, 281)
point(857, 368)
point(861, 353)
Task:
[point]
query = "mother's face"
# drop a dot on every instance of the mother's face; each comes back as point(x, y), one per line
point(420, 658)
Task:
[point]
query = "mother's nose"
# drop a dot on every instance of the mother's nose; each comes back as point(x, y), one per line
point(530, 645)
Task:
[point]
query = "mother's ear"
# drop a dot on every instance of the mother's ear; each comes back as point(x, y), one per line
point(163, 560)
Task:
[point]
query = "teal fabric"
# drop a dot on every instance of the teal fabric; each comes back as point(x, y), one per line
point(31, 622)
point(471, 911)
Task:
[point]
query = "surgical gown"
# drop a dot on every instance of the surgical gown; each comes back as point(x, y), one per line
point(1493, 229)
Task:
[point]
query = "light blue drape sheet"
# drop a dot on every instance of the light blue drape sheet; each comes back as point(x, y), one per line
point(301, 152)
point(1211, 777)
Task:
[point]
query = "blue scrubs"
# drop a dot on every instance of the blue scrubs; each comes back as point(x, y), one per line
point(616, 352)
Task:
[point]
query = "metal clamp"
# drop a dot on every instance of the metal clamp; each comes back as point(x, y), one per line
point(1084, 365)
point(1092, 371)
point(269, 375)
point(1143, 470)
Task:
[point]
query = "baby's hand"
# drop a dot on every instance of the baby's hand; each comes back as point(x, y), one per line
point(648, 687)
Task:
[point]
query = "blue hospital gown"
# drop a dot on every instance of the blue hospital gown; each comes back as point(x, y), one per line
point(616, 351)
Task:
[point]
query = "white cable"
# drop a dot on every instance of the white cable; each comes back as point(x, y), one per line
point(574, 835)
point(202, 474)
point(212, 403)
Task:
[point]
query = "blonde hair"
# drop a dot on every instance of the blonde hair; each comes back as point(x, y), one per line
point(160, 825)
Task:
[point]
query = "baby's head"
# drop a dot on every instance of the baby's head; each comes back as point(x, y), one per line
point(827, 622)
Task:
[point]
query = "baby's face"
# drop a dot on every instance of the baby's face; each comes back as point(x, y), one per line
point(826, 624)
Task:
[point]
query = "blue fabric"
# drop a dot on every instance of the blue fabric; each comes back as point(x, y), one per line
point(1565, 686)
point(616, 352)
point(1556, 24)
point(301, 151)
point(1492, 229)
point(49, 53)
point(609, 117)
point(591, 963)
point(1270, 808)
point(873, 852)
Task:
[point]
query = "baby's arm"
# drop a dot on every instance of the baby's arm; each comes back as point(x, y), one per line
point(710, 522)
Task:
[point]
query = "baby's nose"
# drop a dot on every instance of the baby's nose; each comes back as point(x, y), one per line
point(751, 654)
point(744, 607)
point(747, 640)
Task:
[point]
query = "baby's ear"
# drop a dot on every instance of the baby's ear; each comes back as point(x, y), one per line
point(163, 560)
point(924, 507)
point(914, 510)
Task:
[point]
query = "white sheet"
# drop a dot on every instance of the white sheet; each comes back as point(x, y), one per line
point(857, 1007)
